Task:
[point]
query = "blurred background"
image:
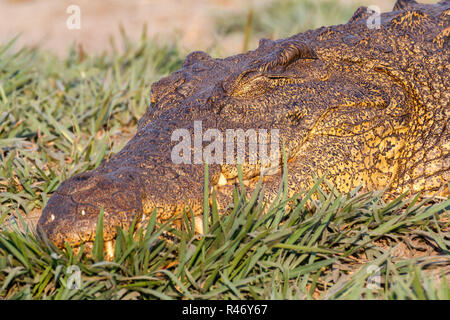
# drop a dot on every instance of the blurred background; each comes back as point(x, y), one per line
point(228, 26)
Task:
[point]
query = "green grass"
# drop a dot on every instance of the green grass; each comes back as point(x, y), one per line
point(59, 117)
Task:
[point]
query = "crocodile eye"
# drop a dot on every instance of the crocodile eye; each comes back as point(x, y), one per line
point(253, 86)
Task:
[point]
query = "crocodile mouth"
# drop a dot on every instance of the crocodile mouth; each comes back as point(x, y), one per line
point(65, 219)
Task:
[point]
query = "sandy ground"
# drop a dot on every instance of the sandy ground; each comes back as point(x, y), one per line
point(44, 22)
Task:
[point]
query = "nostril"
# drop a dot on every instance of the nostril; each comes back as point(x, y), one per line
point(82, 177)
point(125, 175)
point(78, 183)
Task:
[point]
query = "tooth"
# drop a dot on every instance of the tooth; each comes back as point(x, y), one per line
point(83, 212)
point(198, 224)
point(52, 217)
point(109, 250)
point(222, 180)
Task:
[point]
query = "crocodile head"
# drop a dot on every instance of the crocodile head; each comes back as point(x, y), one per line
point(342, 99)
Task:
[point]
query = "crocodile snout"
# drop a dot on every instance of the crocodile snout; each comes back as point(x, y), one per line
point(72, 212)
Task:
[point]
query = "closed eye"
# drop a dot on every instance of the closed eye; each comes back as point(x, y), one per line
point(256, 84)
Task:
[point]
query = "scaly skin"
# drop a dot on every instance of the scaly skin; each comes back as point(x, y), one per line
point(367, 106)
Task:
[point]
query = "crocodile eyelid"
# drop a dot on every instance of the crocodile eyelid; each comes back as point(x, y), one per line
point(246, 76)
point(230, 84)
point(257, 77)
point(289, 52)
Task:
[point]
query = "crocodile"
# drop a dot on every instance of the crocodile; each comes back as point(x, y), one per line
point(364, 103)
